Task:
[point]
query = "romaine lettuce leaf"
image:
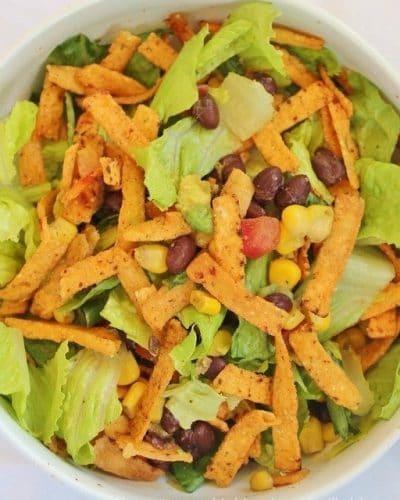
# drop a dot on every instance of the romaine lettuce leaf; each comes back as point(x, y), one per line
point(313, 58)
point(41, 351)
point(375, 122)
point(142, 70)
point(353, 369)
point(256, 273)
point(182, 354)
point(307, 389)
point(77, 51)
point(15, 214)
point(32, 194)
point(232, 65)
point(194, 201)
point(341, 419)
point(53, 156)
point(191, 476)
point(70, 113)
point(11, 260)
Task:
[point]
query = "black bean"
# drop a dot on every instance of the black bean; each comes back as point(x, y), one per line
point(206, 112)
point(160, 464)
point(266, 184)
point(168, 422)
point(328, 167)
point(255, 210)
point(319, 410)
point(230, 162)
point(156, 440)
point(293, 192)
point(180, 254)
point(112, 202)
point(266, 81)
point(217, 364)
point(281, 300)
point(198, 440)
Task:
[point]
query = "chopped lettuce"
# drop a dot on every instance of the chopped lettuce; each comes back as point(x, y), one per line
point(307, 389)
point(91, 402)
point(352, 367)
point(53, 156)
point(375, 122)
point(70, 112)
point(341, 419)
point(191, 476)
point(40, 351)
point(32, 194)
point(121, 314)
point(366, 273)
point(77, 51)
point(192, 400)
point(313, 58)
point(142, 70)
point(380, 187)
point(194, 201)
point(182, 354)
point(232, 65)
point(11, 260)
point(256, 273)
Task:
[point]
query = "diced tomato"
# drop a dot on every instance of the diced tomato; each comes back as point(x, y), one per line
point(260, 235)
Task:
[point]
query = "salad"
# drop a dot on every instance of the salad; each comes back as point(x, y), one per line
point(199, 259)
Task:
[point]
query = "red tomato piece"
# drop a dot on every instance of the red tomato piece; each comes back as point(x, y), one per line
point(260, 235)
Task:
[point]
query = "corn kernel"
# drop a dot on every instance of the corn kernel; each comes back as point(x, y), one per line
point(221, 343)
point(65, 318)
point(261, 480)
point(157, 411)
point(320, 222)
point(204, 303)
point(310, 437)
point(284, 272)
point(152, 257)
point(320, 323)
point(352, 337)
point(132, 399)
point(328, 432)
point(130, 369)
point(294, 319)
point(295, 218)
point(288, 243)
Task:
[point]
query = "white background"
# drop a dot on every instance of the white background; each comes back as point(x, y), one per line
point(377, 22)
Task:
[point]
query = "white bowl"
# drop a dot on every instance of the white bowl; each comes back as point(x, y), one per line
point(96, 18)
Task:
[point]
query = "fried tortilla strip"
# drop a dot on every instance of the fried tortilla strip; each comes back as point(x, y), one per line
point(117, 427)
point(111, 169)
point(384, 301)
point(329, 377)
point(158, 52)
point(138, 98)
point(180, 27)
point(51, 109)
point(121, 51)
point(289, 36)
point(344, 101)
point(46, 256)
point(241, 188)
point(371, 353)
point(219, 424)
point(271, 145)
point(213, 26)
point(159, 380)
point(341, 124)
point(290, 478)
point(89, 153)
point(384, 325)
point(226, 247)
point(234, 296)
point(330, 137)
point(244, 384)
point(165, 304)
point(296, 70)
point(147, 121)
point(394, 259)
point(68, 170)
point(30, 166)
point(96, 338)
point(13, 307)
point(87, 272)
point(113, 119)
point(284, 405)
point(334, 252)
point(65, 77)
point(44, 210)
point(85, 127)
point(131, 275)
point(235, 447)
point(168, 226)
point(131, 448)
point(109, 458)
point(303, 260)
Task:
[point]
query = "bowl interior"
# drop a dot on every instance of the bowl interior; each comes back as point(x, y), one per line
point(100, 18)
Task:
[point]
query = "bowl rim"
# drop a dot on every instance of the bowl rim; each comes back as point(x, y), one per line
point(13, 431)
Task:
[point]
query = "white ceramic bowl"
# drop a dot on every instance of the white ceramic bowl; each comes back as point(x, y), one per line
point(97, 18)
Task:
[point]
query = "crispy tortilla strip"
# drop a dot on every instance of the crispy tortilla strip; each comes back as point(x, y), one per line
point(112, 118)
point(284, 405)
point(302, 259)
point(92, 236)
point(213, 26)
point(12, 307)
point(109, 458)
point(46, 256)
point(96, 338)
point(235, 447)
point(374, 351)
point(158, 382)
point(68, 170)
point(329, 377)
point(256, 448)
point(96, 78)
point(138, 98)
point(85, 127)
point(117, 427)
point(385, 300)
point(44, 210)
point(394, 259)
point(271, 145)
point(131, 275)
point(158, 52)
point(30, 166)
point(165, 304)
point(168, 226)
point(296, 70)
point(226, 247)
point(219, 424)
point(289, 36)
point(147, 121)
point(244, 384)
point(132, 448)
point(65, 77)
point(257, 311)
point(334, 252)
point(180, 27)
point(121, 51)
point(330, 137)
point(290, 478)
point(345, 102)
point(111, 169)
point(51, 109)
point(384, 325)
point(89, 153)
point(341, 124)
point(240, 187)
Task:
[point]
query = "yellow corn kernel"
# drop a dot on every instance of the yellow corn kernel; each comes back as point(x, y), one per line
point(221, 343)
point(261, 480)
point(130, 369)
point(328, 432)
point(352, 337)
point(284, 272)
point(295, 218)
point(204, 303)
point(294, 319)
point(157, 411)
point(65, 318)
point(288, 243)
point(310, 437)
point(152, 257)
point(132, 398)
point(320, 323)
point(320, 222)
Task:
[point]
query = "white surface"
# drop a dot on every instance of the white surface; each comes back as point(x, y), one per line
point(20, 478)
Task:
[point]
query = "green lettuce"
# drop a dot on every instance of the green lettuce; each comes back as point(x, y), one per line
point(70, 112)
point(78, 50)
point(341, 419)
point(194, 201)
point(142, 70)
point(121, 314)
point(191, 476)
point(307, 389)
point(256, 273)
point(353, 369)
point(53, 156)
point(231, 65)
point(40, 351)
point(32, 194)
point(182, 354)
point(313, 58)
point(11, 260)
point(375, 122)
